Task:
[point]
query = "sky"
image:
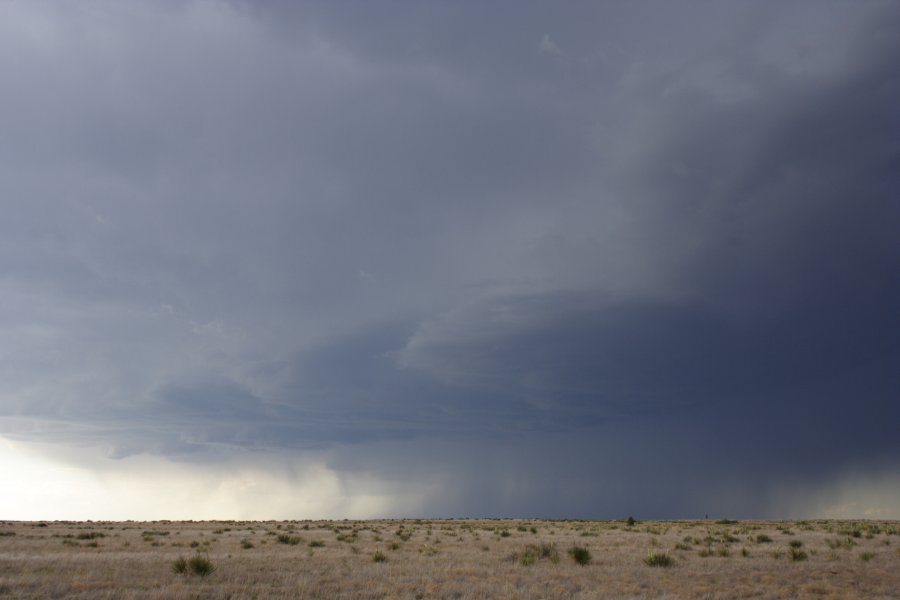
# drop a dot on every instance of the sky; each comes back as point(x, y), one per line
point(273, 259)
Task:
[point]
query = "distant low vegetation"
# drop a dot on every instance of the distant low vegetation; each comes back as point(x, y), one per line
point(450, 559)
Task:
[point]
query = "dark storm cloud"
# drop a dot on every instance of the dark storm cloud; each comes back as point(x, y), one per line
point(617, 248)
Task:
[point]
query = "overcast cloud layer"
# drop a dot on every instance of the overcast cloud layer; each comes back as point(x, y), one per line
point(458, 258)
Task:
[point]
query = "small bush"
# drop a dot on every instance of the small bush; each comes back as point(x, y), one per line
point(580, 555)
point(200, 565)
point(316, 544)
point(393, 546)
point(290, 540)
point(796, 544)
point(246, 544)
point(763, 539)
point(379, 557)
point(533, 553)
point(866, 556)
point(179, 565)
point(797, 555)
point(631, 521)
point(658, 559)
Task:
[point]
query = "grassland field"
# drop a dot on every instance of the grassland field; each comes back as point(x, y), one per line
point(451, 559)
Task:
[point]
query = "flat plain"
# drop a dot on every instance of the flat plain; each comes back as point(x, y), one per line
point(458, 559)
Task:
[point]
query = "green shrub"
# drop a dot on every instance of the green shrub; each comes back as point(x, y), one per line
point(580, 555)
point(544, 551)
point(797, 555)
point(200, 565)
point(796, 544)
point(866, 556)
point(631, 521)
point(290, 540)
point(763, 539)
point(658, 559)
point(246, 544)
point(316, 544)
point(179, 565)
point(379, 557)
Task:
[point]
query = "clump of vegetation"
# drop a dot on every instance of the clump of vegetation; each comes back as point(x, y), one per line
point(866, 556)
point(797, 555)
point(658, 559)
point(535, 552)
point(763, 539)
point(246, 544)
point(290, 540)
point(631, 522)
point(316, 544)
point(179, 566)
point(726, 522)
point(580, 555)
point(796, 544)
point(200, 565)
point(379, 557)
point(403, 534)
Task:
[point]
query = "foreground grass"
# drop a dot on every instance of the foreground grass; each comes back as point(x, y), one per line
point(460, 559)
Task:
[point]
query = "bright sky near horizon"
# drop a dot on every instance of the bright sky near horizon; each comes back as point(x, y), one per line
point(279, 259)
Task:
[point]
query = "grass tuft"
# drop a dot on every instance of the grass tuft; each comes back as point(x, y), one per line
point(658, 559)
point(797, 555)
point(200, 565)
point(580, 555)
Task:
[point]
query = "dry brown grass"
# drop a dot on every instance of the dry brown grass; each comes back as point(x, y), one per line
point(459, 559)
